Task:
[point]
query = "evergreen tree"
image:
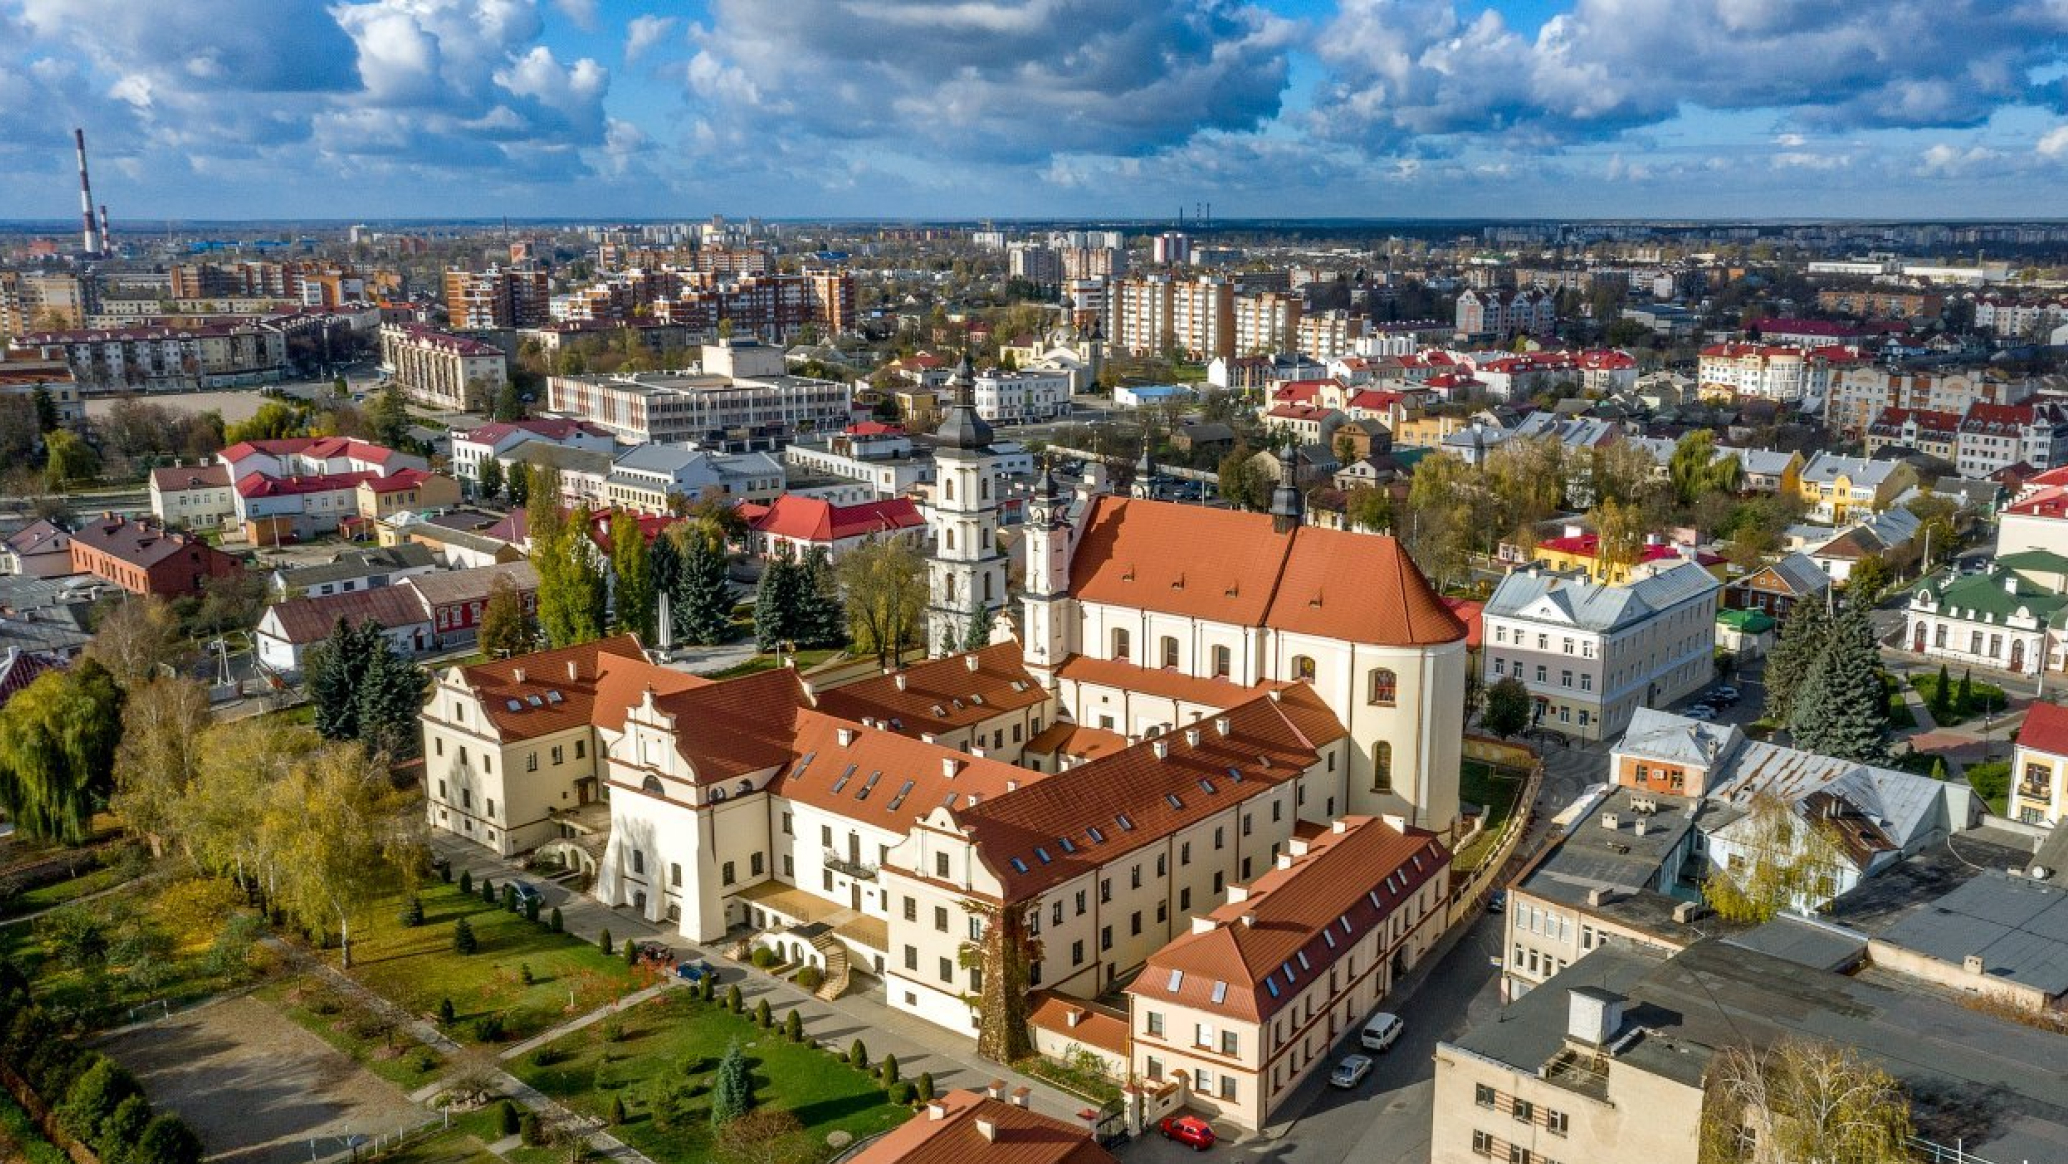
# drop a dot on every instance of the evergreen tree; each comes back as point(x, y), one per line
point(824, 611)
point(1942, 695)
point(517, 484)
point(701, 600)
point(632, 567)
point(664, 566)
point(388, 417)
point(391, 697)
point(732, 1093)
point(1964, 702)
point(1841, 708)
point(508, 404)
point(491, 486)
point(572, 595)
point(776, 601)
point(333, 671)
point(978, 635)
point(46, 409)
point(1800, 645)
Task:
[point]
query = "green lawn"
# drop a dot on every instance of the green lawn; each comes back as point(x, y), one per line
point(1980, 695)
point(465, 1142)
point(1496, 789)
point(1992, 782)
point(805, 661)
point(674, 1038)
point(392, 1054)
point(416, 966)
point(58, 893)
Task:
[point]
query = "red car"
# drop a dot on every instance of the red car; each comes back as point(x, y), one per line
point(1188, 1129)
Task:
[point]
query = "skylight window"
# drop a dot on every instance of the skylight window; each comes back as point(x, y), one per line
point(1043, 854)
point(1235, 774)
point(534, 700)
point(840, 785)
point(1271, 984)
point(869, 786)
point(1097, 837)
point(1068, 847)
point(514, 704)
point(1172, 797)
point(904, 790)
point(1207, 786)
point(949, 802)
point(1126, 825)
point(1373, 896)
point(1018, 866)
point(1220, 993)
point(1177, 979)
point(552, 697)
point(1290, 976)
point(802, 765)
point(1302, 956)
point(1344, 921)
point(1329, 936)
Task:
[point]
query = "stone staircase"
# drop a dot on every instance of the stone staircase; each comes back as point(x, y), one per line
point(835, 954)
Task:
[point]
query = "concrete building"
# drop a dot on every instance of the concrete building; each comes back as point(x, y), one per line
point(654, 479)
point(499, 439)
point(800, 525)
point(442, 371)
point(500, 297)
point(1155, 314)
point(1994, 437)
point(198, 498)
point(1593, 654)
point(2039, 767)
point(1022, 397)
point(1498, 313)
point(153, 358)
point(1743, 371)
point(2005, 618)
point(1860, 393)
point(739, 400)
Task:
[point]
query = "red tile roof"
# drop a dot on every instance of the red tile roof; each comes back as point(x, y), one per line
point(172, 480)
point(1296, 921)
point(1588, 545)
point(253, 485)
point(941, 695)
point(303, 621)
point(1471, 614)
point(606, 676)
point(1076, 741)
point(881, 777)
point(2045, 729)
point(1232, 567)
point(815, 519)
point(947, 1132)
point(1094, 1028)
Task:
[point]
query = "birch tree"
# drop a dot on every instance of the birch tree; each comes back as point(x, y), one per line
point(335, 826)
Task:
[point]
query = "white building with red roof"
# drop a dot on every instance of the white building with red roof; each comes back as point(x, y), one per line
point(2039, 768)
point(802, 524)
point(2038, 518)
point(500, 439)
point(314, 456)
point(199, 497)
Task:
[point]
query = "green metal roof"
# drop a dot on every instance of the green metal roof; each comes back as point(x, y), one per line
point(1748, 622)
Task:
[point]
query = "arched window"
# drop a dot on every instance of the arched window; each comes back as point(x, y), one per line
point(987, 586)
point(1120, 642)
point(1382, 767)
point(1380, 685)
point(950, 532)
point(651, 784)
point(1168, 647)
point(948, 488)
point(984, 488)
point(1303, 668)
point(1224, 662)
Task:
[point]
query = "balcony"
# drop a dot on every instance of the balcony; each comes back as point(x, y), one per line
point(2042, 792)
point(846, 868)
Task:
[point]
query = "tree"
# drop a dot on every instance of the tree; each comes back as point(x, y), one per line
point(337, 823)
point(1786, 863)
point(1242, 481)
point(491, 485)
point(159, 757)
point(763, 1137)
point(518, 484)
point(57, 751)
point(1369, 508)
point(1444, 507)
point(732, 1092)
point(166, 1140)
point(1507, 707)
point(778, 600)
point(241, 762)
point(1695, 470)
point(387, 417)
point(633, 568)
point(46, 409)
point(1964, 700)
point(822, 613)
point(978, 634)
point(138, 639)
point(94, 1096)
point(363, 690)
point(572, 593)
point(1842, 707)
point(1870, 576)
point(1801, 1100)
point(506, 627)
point(68, 459)
point(509, 403)
point(274, 420)
point(391, 698)
point(1799, 645)
point(885, 584)
point(701, 601)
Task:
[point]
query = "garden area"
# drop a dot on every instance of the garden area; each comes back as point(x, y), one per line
point(1956, 701)
point(656, 1073)
point(1496, 790)
point(354, 1029)
point(520, 978)
point(1991, 781)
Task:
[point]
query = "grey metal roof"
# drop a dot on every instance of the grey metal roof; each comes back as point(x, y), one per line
point(1661, 735)
point(2017, 926)
point(1633, 866)
point(1802, 575)
point(1996, 1086)
point(669, 459)
point(1910, 809)
point(1825, 468)
point(361, 564)
point(1806, 942)
point(1599, 606)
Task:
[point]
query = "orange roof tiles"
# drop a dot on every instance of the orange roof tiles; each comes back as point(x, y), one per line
point(1063, 738)
point(607, 677)
point(947, 1132)
point(1231, 567)
point(1296, 921)
point(882, 778)
point(942, 694)
point(1095, 1028)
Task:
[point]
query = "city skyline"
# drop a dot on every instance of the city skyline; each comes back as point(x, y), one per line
point(822, 108)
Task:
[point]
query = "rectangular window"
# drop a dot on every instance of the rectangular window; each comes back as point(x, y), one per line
point(940, 918)
point(581, 749)
point(1229, 1042)
point(1105, 937)
point(1077, 953)
point(911, 909)
point(1482, 1144)
point(947, 971)
point(559, 755)
point(1228, 1087)
point(531, 761)
point(674, 873)
point(940, 864)
point(786, 826)
point(1557, 1122)
point(1524, 1111)
point(911, 957)
point(1483, 1095)
point(725, 875)
point(1155, 1020)
point(755, 864)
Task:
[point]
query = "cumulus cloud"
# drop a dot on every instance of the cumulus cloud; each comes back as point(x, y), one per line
point(582, 12)
point(2053, 144)
point(645, 32)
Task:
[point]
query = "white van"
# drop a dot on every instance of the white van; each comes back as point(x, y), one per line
point(1381, 1032)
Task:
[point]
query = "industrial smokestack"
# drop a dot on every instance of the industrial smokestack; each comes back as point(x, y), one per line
point(107, 236)
point(92, 232)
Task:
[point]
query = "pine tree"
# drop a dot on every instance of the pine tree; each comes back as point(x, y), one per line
point(333, 671)
point(776, 602)
point(491, 486)
point(978, 636)
point(664, 564)
point(391, 697)
point(632, 568)
point(732, 1093)
point(1964, 703)
point(1800, 644)
point(1942, 696)
point(823, 613)
point(1841, 708)
point(701, 601)
point(517, 484)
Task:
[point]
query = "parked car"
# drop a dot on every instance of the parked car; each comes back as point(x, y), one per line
point(1189, 1130)
point(1498, 903)
point(1725, 696)
point(1381, 1032)
point(697, 971)
point(1700, 711)
point(1351, 1071)
point(526, 893)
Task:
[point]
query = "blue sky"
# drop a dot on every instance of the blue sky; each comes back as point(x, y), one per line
point(605, 108)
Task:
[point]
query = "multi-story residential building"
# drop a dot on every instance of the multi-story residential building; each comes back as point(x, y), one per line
point(429, 611)
point(498, 439)
point(657, 479)
point(1267, 322)
point(1602, 370)
point(1884, 303)
point(1843, 490)
point(442, 371)
point(1935, 434)
point(832, 300)
point(1036, 264)
point(201, 497)
point(772, 307)
point(2019, 317)
point(2039, 767)
point(1328, 334)
point(1998, 436)
point(740, 399)
point(41, 301)
point(354, 570)
point(1498, 312)
point(40, 549)
point(498, 297)
point(2001, 618)
point(144, 557)
point(1592, 654)
point(1740, 371)
point(1859, 393)
point(1170, 249)
point(1614, 1060)
point(23, 374)
point(1247, 1005)
point(1155, 314)
point(309, 456)
point(217, 355)
point(1022, 397)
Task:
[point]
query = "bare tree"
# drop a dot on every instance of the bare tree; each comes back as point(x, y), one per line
point(1799, 1101)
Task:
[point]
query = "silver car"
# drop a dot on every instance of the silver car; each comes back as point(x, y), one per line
point(1351, 1071)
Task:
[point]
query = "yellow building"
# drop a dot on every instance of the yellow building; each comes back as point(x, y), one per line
point(1843, 490)
point(1582, 551)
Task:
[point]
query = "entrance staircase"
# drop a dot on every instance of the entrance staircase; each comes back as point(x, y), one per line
point(835, 954)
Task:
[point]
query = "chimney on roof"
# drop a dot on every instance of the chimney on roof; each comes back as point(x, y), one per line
point(1600, 895)
point(1610, 821)
point(1012, 786)
point(988, 1128)
point(1203, 924)
point(1237, 894)
point(900, 680)
point(949, 766)
point(1020, 1095)
point(1161, 747)
point(1191, 737)
point(936, 1112)
point(1638, 826)
point(517, 674)
point(1072, 1015)
point(1221, 724)
point(1687, 911)
point(995, 1089)
point(845, 736)
point(1339, 825)
point(574, 670)
point(1249, 920)
point(971, 659)
point(1974, 964)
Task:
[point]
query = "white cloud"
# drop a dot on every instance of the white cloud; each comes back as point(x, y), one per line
point(2054, 143)
point(645, 32)
point(582, 12)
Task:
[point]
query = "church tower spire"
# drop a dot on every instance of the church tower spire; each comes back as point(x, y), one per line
point(967, 572)
point(1045, 630)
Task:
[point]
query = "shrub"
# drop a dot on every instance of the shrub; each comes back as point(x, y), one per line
point(467, 881)
point(890, 1070)
point(763, 1018)
point(529, 1130)
point(617, 1109)
point(413, 912)
point(95, 1095)
point(463, 941)
point(166, 1140)
point(510, 898)
point(444, 870)
point(763, 957)
point(506, 1118)
point(612, 1030)
point(603, 940)
point(925, 1088)
point(445, 1011)
point(810, 979)
point(531, 909)
point(124, 1127)
point(524, 973)
point(423, 1059)
point(489, 1028)
point(555, 924)
point(488, 890)
point(733, 1001)
point(631, 949)
point(901, 1094)
point(793, 1027)
point(547, 1055)
point(858, 1054)
point(707, 987)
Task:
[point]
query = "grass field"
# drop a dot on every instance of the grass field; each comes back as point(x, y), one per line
point(1980, 695)
point(1497, 789)
point(391, 1054)
point(62, 892)
point(674, 1041)
point(417, 968)
point(805, 661)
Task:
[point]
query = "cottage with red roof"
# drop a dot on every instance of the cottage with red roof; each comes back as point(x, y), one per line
point(144, 557)
point(802, 524)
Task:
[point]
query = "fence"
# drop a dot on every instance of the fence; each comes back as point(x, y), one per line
point(1470, 892)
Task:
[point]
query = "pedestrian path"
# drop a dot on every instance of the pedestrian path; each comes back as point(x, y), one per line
point(581, 1022)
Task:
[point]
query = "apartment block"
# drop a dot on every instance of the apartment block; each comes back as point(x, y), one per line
point(739, 399)
point(498, 297)
point(1858, 394)
point(440, 370)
